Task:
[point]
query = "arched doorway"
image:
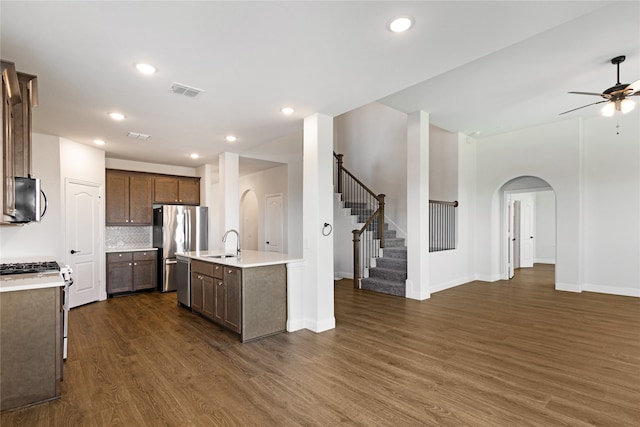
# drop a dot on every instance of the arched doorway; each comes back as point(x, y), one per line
point(249, 220)
point(528, 230)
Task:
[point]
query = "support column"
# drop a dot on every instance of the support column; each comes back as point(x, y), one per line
point(317, 209)
point(229, 206)
point(418, 206)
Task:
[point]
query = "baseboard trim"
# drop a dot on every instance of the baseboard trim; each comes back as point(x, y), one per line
point(568, 287)
point(544, 261)
point(612, 290)
point(488, 278)
point(343, 274)
point(451, 284)
point(320, 326)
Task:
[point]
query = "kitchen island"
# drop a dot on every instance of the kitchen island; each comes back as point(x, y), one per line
point(31, 340)
point(246, 294)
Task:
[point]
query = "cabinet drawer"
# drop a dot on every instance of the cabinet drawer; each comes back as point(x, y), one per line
point(119, 257)
point(217, 271)
point(146, 255)
point(202, 267)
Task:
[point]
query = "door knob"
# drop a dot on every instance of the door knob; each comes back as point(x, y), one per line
point(73, 251)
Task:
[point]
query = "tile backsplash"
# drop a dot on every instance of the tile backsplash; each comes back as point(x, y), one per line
point(129, 237)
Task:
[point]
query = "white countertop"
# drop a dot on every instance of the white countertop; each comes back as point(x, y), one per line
point(124, 249)
point(27, 282)
point(247, 258)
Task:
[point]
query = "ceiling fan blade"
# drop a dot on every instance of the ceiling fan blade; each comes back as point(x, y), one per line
point(589, 93)
point(634, 87)
point(584, 106)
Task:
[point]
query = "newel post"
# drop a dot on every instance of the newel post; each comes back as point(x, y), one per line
point(339, 156)
point(356, 258)
point(381, 219)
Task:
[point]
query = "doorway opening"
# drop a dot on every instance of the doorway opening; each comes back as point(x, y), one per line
point(528, 232)
point(249, 220)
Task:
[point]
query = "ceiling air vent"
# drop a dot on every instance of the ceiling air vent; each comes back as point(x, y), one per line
point(180, 89)
point(137, 135)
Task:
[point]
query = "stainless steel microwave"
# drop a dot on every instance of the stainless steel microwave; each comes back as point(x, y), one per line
point(28, 200)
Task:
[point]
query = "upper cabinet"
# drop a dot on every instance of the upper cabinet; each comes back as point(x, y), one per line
point(129, 198)
point(19, 96)
point(177, 190)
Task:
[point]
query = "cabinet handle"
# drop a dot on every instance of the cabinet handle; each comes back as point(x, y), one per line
point(135, 263)
point(230, 271)
point(129, 263)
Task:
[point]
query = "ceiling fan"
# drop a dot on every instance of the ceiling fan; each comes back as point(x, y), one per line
point(616, 96)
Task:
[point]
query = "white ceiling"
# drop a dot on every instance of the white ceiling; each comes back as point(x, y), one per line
point(474, 66)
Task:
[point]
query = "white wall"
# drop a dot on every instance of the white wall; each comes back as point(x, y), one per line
point(595, 175)
point(545, 242)
point(131, 165)
point(611, 205)
point(288, 150)
point(455, 267)
point(443, 165)
point(373, 139)
point(270, 181)
point(45, 238)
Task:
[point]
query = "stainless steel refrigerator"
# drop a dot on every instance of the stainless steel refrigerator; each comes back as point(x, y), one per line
point(177, 228)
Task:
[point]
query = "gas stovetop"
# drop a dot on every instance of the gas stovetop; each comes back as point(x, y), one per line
point(29, 267)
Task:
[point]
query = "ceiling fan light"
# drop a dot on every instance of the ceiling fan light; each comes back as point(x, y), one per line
point(608, 109)
point(627, 105)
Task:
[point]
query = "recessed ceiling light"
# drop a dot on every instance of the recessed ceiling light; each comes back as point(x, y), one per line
point(99, 142)
point(287, 111)
point(231, 138)
point(146, 68)
point(400, 24)
point(116, 116)
point(194, 155)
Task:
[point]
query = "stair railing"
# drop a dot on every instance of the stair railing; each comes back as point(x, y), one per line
point(356, 194)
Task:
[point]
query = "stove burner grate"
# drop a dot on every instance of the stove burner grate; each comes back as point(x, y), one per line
point(28, 267)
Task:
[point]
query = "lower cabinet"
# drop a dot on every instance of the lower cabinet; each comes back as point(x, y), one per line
point(251, 301)
point(131, 271)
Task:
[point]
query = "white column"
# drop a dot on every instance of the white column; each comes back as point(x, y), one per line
point(418, 206)
point(229, 201)
point(317, 209)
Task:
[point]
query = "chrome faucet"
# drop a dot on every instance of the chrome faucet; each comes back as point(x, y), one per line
point(224, 239)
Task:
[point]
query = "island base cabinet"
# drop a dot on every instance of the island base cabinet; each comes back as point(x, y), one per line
point(31, 349)
point(264, 301)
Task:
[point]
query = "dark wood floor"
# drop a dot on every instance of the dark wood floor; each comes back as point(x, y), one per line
point(511, 353)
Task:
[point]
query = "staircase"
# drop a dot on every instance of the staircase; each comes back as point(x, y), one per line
point(390, 272)
point(387, 273)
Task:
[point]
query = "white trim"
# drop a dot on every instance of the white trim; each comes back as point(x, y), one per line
point(612, 290)
point(568, 287)
point(321, 325)
point(488, 278)
point(437, 287)
point(544, 261)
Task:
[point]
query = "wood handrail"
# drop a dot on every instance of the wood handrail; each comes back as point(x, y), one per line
point(440, 202)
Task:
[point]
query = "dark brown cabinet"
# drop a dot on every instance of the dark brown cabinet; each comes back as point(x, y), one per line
point(131, 271)
point(19, 96)
point(232, 279)
point(129, 198)
point(251, 302)
point(177, 190)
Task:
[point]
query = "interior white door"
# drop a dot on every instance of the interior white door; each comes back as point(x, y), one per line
point(82, 241)
point(511, 238)
point(527, 225)
point(273, 223)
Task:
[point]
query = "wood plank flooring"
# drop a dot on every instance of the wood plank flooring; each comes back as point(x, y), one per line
point(514, 353)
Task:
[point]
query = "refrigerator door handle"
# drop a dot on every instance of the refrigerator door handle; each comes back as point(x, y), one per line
point(170, 261)
point(187, 230)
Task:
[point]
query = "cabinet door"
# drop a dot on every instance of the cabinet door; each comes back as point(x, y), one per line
point(8, 193)
point(144, 275)
point(219, 301)
point(232, 308)
point(141, 199)
point(165, 189)
point(119, 277)
point(189, 191)
point(208, 300)
point(196, 292)
point(117, 198)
